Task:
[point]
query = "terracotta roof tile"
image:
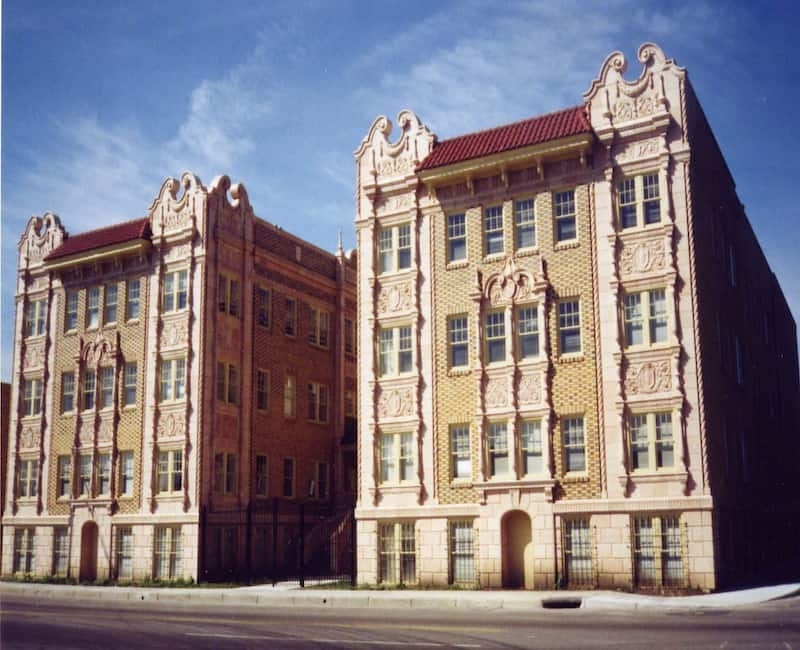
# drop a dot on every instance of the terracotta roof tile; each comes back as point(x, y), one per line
point(570, 121)
point(102, 237)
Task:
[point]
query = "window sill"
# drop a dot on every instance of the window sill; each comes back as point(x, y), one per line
point(567, 245)
point(460, 371)
point(457, 264)
point(528, 251)
point(494, 257)
point(572, 357)
point(576, 477)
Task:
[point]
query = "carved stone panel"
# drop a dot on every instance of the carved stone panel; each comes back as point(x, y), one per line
point(34, 356)
point(397, 297)
point(649, 377)
point(497, 393)
point(642, 257)
point(171, 425)
point(530, 389)
point(174, 334)
point(105, 431)
point(637, 150)
point(29, 438)
point(396, 402)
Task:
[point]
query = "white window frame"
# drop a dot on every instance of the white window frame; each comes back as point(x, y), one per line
point(127, 473)
point(528, 332)
point(456, 237)
point(638, 199)
point(290, 396)
point(498, 449)
point(71, 311)
point(133, 299)
point(103, 475)
point(397, 457)
point(175, 291)
point(31, 397)
point(573, 431)
point(67, 392)
point(85, 475)
point(64, 478)
point(569, 323)
point(36, 318)
point(525, 224)
point(493, 233)
point(495, 336)
point(24, 559)
point(657, 548)
point(173, 379)
point(167, 553)
point(107, 377)
point(169, 471)
point(28, 478)
point(124, 552)
point(458, 341)
point(110, 298)
point(651, 437)
point(531, 447)
point(645, 318)
point(92, 308)
point(394, 248)
point(60, 550)
point(396, 351)
point(460, 452)
point(130, 383)
point(89, 389)
point(566, 216)
point(462, 552)
point(397, 553)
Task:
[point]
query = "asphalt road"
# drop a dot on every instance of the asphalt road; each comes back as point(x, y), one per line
point(26, 623)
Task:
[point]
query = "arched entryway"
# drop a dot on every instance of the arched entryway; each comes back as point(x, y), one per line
point(517, 551)
point(88, 569)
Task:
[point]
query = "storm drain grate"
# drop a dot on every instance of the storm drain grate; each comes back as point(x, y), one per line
point(562, 603)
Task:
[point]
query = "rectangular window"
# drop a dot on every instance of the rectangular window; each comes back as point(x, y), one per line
point(569, 326)
point(131, 371)
point(458, 337)
point(320, 487)
point(462, 552)
point(23, 550)
point(35, 318)
point(106, 387)
point(566, 229)
point(262, 390)
point(263, 306)
point(317, 402)
point(530, 439)
point(394, 248)
point(528, 332)
point(64, 476)
point(167, 561)
point(175, 291)
point(170, 471)
point(318, 327)
point(395, 351)
point(493, 230)
point(262, 476)
point(31, 397)
point(173, 379)
point(85, 477)
point(497, 446)
point(290, 397)
point(28, 478)
point(652, 444)
point(574, 445)
point(133, 297)
point(398, 555)
point(638, 201)
point(653, 330)
point(228, 295)
point(495, 337)
point(456, 237)
point(658, 557)
point(60, 550)
point(224, 473)
point(227, 383)
point(89, 386)
point(71, 315)
point(104, 474)
point(397, 457)
point(461, 452)
point(288, 477)
point(126, 471)
point(349, 337)
point(124, 548)
point(110, 307)
point(93, 308)
point(525, 223)
point(578, 569)
point(290, 318)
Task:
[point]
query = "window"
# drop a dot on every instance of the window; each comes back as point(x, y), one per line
point(290, 319)
point(288, 477)
point(170, 471)
point(224, 473)
point(85, 475)
point(126, 470)
point(262, 390)
point(394, 248)
point(349, 337)
point(110, 307)
point(289, 397)
point(531, 447)
point(318, 327)
point(64, 476)
point(167, 553)
point(456, 237)
point(60, 550)
point(574, 445)
point(460, 451)
point(569, 326)
point(173, 379)
point(124, 543)
point(132, 306)
point(263, 306)
point(639, 331)
point(106, 387)
point(462, 552)
point(104, 474)
point(131, 370)
point(35, 317)
point(525, 223)
point(578, 553)
point(93, 308)
point(23, 550)
point(497, 446)
point(459, 341)
point(639, 202)
point(397, 547)
point(89, 380)
point(175, 291)
point(67, 392)
point(28, 478)
point(566, 229)
point(319, 489)
point(528, 332)
point(652, 444)
point(227, 383)
point(657, 552)
point(262, 476)
point(31, 397)
point(395, 350)
point(493, 230)
point(495, 337)
point(228, 295)
point(397, 457)
point(71, 315)
point(317, 402)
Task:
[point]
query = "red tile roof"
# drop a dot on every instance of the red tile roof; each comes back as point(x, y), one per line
point(102, 237)
point(570, 121)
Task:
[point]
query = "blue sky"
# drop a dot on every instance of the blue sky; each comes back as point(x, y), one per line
point(102, 100)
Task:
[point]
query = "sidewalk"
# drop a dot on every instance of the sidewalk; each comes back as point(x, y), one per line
point(290, 594)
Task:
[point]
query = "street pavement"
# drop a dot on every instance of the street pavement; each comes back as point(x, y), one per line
point(290, 594)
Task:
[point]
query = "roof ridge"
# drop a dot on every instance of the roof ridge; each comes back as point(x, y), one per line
point(515, 122)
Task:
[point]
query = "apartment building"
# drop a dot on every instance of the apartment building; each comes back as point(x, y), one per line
point(583, 372)
point(183, 393)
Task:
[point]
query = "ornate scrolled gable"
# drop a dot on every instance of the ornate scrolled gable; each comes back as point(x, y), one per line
point(41, 237)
